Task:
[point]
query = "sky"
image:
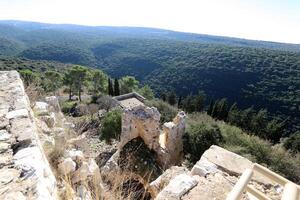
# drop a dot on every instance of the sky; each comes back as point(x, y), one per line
point(270, 20)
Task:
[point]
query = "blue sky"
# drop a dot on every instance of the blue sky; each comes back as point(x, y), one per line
point(271, 20)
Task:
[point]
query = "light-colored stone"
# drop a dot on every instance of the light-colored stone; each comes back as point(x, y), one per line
point(163, 180)
point(50, 119)
point(4, 147)
point(3, 121)
point(67, 166)
point(177, 187)
point(53, 102)
point(21, 113)
point(81, 174)
point(83, 193)
point(14, 196)
point(4, 135)
point(41, 108)
point(203, 167)
point(75, 155)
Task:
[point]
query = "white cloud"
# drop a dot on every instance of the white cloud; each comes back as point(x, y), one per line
point(253, 19)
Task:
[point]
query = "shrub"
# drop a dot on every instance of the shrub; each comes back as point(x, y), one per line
point(293, 142)
point(199, 137)
point(67, 106)
point(167, 111)
point(111, 126)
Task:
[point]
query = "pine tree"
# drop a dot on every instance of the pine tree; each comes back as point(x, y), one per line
point(179, 104)
point(172, 98)
point(163, 96)
point(116, 88)
point(110, 87)
point(210, 108)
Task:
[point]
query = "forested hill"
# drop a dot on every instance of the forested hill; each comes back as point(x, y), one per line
point(262, 74)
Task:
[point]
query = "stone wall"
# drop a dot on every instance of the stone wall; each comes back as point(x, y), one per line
point(24, 170)
point(142, 121)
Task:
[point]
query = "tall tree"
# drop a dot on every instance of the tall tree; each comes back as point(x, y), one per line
point(146, 92)
point(198, 101)
point(98, 81)
point(116, 87)
point(129, 84)
point(172, 98)
point(75, 78)
point(52, 81)
point(179, 103)
point(210, 108)
point(29, 77)
point(110, 87)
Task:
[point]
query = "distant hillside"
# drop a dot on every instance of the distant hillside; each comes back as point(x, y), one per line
point(258, 73)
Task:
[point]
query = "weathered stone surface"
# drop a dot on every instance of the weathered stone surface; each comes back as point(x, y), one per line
point(75, 155)
point(231, 162)
point(177, 187)
point(22, 129)
point(203, 167)
point(4, 135)
point(41, 108)
point(163, 180)
point(50, 119)
point(142, 121)
point(83, 193)
point(22, 113)
point(24, 169)
point(3, 121)
point(53, 102)
point(67, 166)
point(214, 186)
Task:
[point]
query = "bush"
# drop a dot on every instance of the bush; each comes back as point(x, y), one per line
point(111, 126)
point(199, 137)
point(293, 142)
point(67, 106)
point(167, 111)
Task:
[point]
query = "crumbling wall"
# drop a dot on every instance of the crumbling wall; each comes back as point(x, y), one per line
point(142, 121)
point(24, 170)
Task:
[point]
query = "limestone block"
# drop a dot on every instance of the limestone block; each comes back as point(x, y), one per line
point(203, 167)
point(41, 108)
point(163, 180)
point(4, 135)
point(4, 122)
point(53, 101)
point(67, 166)
point(22, 129)
point(177, 187)
point(21, 113)
point(4, 147)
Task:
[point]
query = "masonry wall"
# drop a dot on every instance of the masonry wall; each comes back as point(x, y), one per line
point(24, 170)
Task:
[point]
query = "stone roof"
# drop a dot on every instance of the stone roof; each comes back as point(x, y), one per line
point(130, 100)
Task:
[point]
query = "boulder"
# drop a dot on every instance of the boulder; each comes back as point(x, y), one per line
point(67, 166)
point(41, 108)
point(75, 155)
point(177, 187)
point(50, 119)
point(163, 180)
point(53, 102)
point(203, 167)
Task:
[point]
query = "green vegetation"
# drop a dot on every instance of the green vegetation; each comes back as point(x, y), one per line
point(262, 74)
point(199, 137)
point(236, 140)
point(293, 142)
point(111, 126)
point(167, 111)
